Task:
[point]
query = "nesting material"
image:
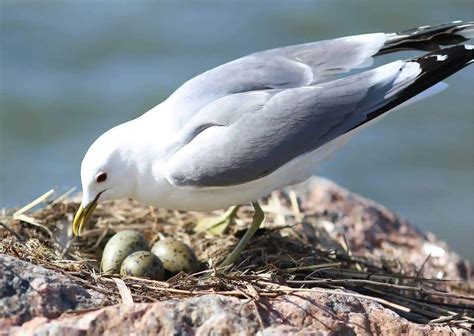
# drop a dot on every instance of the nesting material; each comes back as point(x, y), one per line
point(280, 258)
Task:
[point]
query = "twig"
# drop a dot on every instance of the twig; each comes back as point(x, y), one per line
point(384, 284)
point(328, 291)
point(373, 275)
point(124, 291)
point(63, 196)
point(294, 203)
point(34, 203)
point(429, 307)
point(313, 267)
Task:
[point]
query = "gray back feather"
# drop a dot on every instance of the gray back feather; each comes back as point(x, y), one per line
point(288, 67)
point(249, 143)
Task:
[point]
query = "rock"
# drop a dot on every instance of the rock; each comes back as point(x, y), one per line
point(306, 313)
point(370, 227)
point(27, 291)
point(367, 226)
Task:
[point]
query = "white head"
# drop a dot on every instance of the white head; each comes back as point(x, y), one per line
point(107, 172)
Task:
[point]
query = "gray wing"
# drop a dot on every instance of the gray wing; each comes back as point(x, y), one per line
point(243, 137)
point(306, 64)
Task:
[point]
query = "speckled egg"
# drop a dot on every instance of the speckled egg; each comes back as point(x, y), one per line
point(176, 256)
point(143, 264)
point(121, 245)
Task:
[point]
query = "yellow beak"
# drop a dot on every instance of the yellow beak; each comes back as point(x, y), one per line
point(82, 217)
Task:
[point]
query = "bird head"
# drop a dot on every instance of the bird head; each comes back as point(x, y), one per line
point(105, 175)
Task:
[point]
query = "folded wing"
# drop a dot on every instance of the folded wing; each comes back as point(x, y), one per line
point(246, 136)
point(306, 64)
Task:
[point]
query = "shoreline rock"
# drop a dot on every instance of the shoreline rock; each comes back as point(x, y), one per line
point(305, 313)
point(371, 227)
point(28, 291)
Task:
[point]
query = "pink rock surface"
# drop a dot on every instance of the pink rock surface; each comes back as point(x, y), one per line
point(371, 227)
point(27, 291)
point(306, 313)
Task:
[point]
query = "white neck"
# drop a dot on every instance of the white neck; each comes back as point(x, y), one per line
point(148, 151)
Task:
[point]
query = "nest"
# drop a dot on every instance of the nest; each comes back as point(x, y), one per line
point(279, 259)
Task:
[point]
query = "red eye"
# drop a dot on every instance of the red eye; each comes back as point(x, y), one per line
point(101, 177)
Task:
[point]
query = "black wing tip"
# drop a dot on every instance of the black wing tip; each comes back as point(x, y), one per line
point(435, 67)
point(447, 27)
point(429, 38)
point(447, 60)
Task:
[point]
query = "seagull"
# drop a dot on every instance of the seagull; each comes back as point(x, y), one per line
point(235, 133)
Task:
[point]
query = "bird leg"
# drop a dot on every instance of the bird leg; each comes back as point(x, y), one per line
point(258, 218)
point(217, 225)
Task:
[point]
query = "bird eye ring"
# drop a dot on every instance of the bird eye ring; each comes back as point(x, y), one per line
point(101, 177)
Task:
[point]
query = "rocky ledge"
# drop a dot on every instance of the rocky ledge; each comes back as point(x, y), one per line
point(39, 301)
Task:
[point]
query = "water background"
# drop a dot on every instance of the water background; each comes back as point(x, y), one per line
point(70, 70)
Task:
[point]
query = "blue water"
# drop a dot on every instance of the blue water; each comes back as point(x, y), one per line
point(72, 69)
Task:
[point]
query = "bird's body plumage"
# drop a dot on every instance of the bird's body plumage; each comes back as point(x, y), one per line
point(239, 131)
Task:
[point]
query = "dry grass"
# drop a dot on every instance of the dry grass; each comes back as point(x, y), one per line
point(279, 260)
